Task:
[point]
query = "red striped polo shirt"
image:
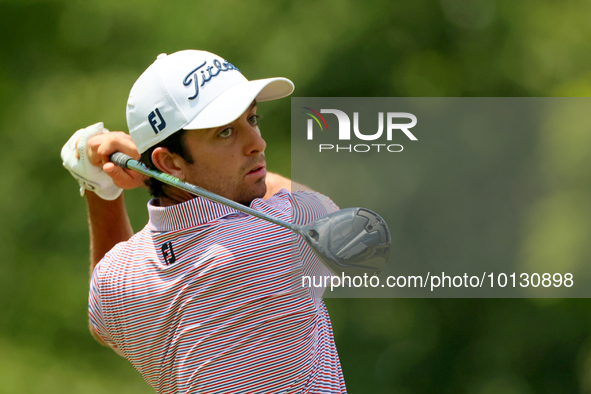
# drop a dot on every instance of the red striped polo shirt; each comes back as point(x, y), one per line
point(201, 300)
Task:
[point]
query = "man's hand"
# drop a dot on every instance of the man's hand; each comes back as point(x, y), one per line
point(86, 156)
point(99, 149)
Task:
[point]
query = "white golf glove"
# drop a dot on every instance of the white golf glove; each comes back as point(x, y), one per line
point(89, 177)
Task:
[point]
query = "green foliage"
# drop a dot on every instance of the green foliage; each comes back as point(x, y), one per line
point(68, 64)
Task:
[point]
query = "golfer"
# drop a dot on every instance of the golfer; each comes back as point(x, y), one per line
point(201, 299)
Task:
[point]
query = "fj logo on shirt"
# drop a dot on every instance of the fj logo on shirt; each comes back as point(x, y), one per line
point(160, 123)
point(168, 253)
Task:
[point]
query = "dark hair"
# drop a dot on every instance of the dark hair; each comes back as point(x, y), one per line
point(175, 144)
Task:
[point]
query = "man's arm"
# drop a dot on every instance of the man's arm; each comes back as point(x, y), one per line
point(108, 222)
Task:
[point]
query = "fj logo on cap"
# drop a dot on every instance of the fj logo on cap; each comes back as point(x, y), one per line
point(193, 77)
point(159, 123)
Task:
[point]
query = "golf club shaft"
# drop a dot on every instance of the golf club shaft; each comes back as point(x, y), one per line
point(124, 161)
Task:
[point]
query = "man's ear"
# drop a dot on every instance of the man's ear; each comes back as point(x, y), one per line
point(168, 163)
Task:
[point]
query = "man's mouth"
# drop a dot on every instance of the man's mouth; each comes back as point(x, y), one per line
point(259, 170)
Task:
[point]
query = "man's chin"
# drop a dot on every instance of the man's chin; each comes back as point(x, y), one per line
point(258, 191)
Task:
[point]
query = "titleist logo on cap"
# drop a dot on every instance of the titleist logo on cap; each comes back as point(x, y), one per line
point(192, 77)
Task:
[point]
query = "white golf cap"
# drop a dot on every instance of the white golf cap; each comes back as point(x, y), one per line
point(192, 90)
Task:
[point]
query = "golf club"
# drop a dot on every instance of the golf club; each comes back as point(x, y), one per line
point(352, 241)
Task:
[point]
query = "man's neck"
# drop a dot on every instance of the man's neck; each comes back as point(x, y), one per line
point(173, 196)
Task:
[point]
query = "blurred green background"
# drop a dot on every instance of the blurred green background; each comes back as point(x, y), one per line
point(67, 64)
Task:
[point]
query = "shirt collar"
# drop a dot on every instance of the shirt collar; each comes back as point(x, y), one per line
point(195, 212)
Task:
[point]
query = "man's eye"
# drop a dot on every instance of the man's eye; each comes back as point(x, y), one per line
point(225, 133)
point(254, 120)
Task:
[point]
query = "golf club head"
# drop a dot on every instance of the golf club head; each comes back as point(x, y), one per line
point(352, 241)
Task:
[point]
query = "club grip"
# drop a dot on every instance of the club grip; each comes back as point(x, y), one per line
point(120, 159)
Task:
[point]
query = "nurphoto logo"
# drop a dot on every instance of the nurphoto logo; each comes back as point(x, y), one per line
point(393, 125)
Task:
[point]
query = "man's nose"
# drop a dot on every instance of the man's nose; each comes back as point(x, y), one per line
point(254, 142)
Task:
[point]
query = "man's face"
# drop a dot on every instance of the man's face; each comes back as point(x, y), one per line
point(229, 160)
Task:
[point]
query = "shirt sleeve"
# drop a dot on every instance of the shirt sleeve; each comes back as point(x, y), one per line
point(307, 207)
point(95, 311)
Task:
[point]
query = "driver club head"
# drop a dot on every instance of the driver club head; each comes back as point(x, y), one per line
point(352, 241)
